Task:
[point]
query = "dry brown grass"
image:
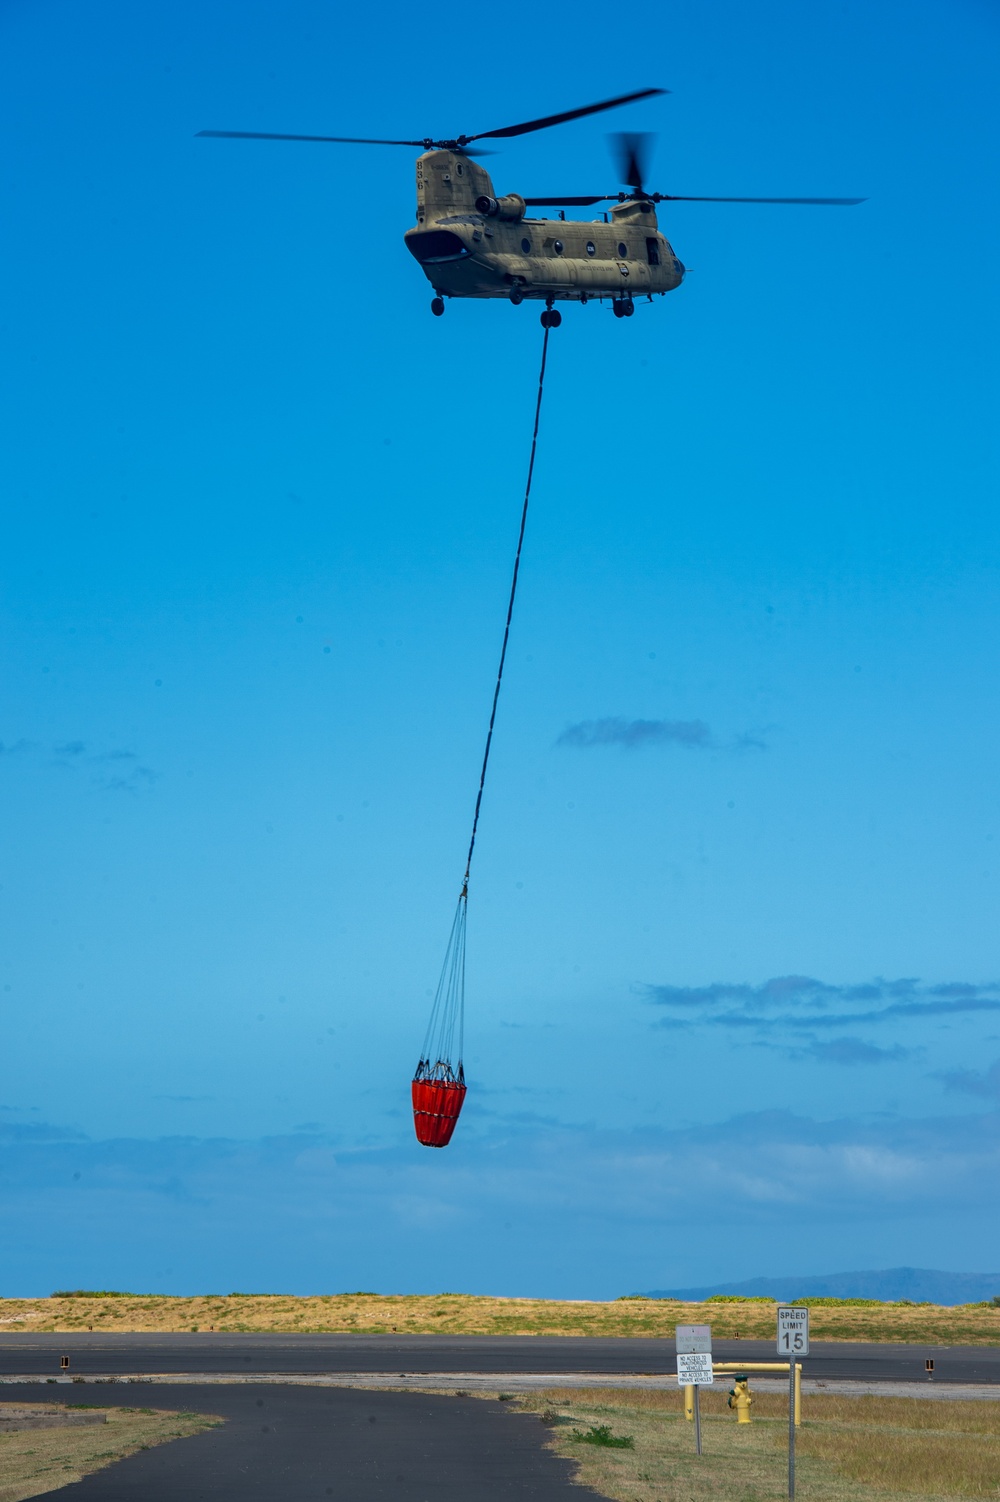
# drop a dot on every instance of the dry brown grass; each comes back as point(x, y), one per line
point(459, 1314)
point(848, 1449)
point(34, 1461)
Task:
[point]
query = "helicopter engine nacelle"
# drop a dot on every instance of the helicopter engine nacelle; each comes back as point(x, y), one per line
point(510, 207)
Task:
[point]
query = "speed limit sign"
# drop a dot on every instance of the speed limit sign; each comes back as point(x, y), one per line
point(793, 1331)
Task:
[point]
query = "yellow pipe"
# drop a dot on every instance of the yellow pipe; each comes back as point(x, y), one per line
point(751, 1366)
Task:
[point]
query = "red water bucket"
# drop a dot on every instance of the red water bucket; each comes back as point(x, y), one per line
point(437, 1105)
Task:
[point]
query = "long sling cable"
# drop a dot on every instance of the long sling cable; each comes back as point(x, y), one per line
point(510, 612)
point(448, 1012)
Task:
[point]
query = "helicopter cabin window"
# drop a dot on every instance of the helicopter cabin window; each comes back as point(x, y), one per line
point(622, 250)
point(557, 246)
point(526, 247)
point(591, 248)
point(460, 169)
point(653, 251)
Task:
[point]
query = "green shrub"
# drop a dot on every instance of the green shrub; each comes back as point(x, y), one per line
point(600, 1434)
point(741, 1298)
point(91, 1293)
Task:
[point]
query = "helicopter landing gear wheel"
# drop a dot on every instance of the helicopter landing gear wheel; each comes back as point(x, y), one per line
point(516, 296)
point(623, 307)
point(437, 306)
point(551, 318)
point(629, 308)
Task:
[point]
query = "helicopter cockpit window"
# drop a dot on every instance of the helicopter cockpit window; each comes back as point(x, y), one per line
point(526, 247)
point(652, 251)
point(460, 169)
point(591, 248)
point(557, 246)
point(623, 250)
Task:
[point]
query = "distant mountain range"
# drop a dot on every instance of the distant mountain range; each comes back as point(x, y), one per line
point(921, 1284)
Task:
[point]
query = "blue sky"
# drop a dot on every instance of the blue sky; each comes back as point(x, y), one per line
point(732, 934)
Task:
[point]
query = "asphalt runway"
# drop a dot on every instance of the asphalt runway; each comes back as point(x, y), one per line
point(307, 1444)
point(100, 1354)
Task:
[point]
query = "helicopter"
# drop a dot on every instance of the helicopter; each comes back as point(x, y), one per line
point(469, 242)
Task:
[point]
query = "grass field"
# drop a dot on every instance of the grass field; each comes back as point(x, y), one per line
point(459, 1314)
point(34, 1461)
point(848, 1449)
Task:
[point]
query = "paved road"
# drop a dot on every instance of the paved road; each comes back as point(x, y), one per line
point(301, 1444)
point(93, 1355)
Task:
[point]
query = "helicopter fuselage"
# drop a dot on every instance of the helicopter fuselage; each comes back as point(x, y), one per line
point(472, 244)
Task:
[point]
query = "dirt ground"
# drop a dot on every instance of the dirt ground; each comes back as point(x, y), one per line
point(38, 1460)
point(847, 1449)
point(455, 1314)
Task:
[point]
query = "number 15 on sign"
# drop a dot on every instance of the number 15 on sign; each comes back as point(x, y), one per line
point(793, 1331)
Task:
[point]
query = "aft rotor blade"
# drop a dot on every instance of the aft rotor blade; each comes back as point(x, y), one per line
point(547, 120)
point(569, 203)
point(633, 150)
point(685, 198)
point(266, 135)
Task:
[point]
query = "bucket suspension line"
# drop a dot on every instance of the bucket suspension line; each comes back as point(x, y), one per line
point(439, 1082)
point(510, 611)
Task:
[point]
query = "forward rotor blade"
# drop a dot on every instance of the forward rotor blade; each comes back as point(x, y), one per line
point(266, 135)
point(569, 203)
point(547, 120)
point(685, 198)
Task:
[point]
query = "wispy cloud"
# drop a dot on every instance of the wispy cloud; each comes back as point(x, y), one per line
point(136, 780)
point(801, 1002)
point(529, 1207)
point(972, 1081)
point(855, 1051)
point(114, 771)
point(693, 735)
point(14, 1132)
point(631, 735)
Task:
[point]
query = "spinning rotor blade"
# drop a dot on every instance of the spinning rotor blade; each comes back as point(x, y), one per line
point(684, 198)
point(633, 150)
point(460, 143)
point(567, 203)
point(266, 135)
point(547, 120)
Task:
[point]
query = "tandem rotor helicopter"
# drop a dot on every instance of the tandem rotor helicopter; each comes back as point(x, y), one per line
point(472, 243)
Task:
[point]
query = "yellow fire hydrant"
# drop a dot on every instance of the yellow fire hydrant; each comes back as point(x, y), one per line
point(740, 1399)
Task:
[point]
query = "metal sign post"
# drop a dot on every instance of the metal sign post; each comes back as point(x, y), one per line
point(793, 1342)
point(694, 1366)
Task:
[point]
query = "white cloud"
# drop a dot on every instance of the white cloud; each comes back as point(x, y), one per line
point(501, 1209)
